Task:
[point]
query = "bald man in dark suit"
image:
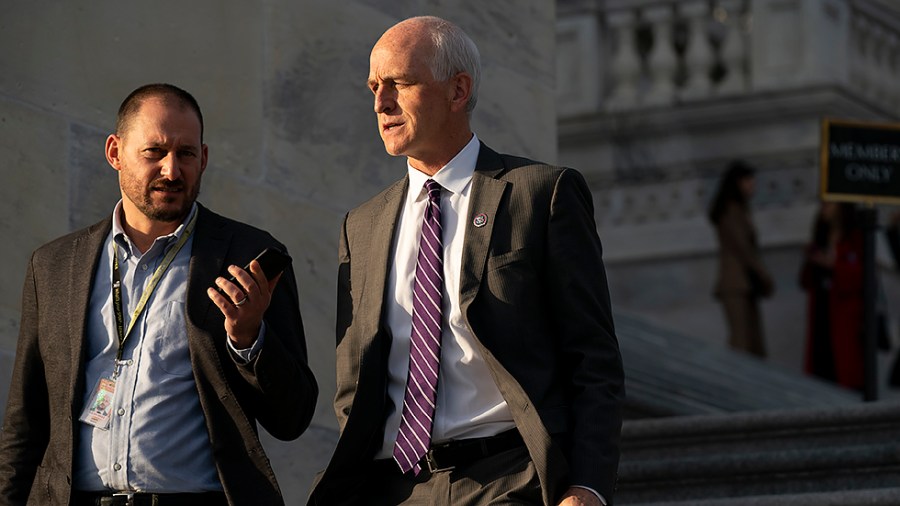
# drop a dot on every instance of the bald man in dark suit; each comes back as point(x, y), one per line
point(486, 270)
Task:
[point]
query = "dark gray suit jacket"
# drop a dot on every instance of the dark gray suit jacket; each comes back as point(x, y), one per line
point(277, 389)
point(534, 293)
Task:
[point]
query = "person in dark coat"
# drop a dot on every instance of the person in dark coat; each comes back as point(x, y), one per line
point(832, 275)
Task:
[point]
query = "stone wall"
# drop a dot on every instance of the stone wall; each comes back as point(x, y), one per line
point(289, 124)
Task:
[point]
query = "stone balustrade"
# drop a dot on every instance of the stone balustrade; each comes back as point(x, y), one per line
point(874, 54)
point(624, 55)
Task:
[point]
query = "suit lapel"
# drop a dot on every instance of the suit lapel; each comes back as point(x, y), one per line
point(208, 251)
point(378, 265)
point(86, 253)
point(487, 192)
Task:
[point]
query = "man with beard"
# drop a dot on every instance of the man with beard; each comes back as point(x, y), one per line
point(135, 380)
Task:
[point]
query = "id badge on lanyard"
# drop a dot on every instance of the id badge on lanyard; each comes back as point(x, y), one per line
point(98, 410)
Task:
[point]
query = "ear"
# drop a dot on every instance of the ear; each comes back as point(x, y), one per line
point(113, 143)
point(204, 156)
point(462, 90)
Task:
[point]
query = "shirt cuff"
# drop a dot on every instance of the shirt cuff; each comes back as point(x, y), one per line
point(589, 489)
point(247, 355)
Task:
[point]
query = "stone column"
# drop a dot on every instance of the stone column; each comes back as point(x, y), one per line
point(662, 60)
point(698, 55)
point(625, 64)
point(733, 50)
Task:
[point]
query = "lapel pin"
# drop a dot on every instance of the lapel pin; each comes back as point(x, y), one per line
point(480, 220)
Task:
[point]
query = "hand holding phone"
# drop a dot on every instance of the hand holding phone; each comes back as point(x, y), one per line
point(272, 260)
point(244, 314)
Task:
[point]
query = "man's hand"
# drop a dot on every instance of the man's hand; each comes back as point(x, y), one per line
point(577, 496)
point(249, 300)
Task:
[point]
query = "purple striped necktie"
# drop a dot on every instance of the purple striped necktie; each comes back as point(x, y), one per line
point(414, 436)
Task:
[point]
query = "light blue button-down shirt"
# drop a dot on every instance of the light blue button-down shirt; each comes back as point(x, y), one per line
point(157, 439)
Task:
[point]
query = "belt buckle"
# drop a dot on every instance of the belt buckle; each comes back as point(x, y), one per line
point(433, 466)
point(129, 497)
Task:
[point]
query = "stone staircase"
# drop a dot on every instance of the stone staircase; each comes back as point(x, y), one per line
point(824, 456)
point(670, 373)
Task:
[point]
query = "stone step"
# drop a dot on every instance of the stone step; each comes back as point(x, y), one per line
point(784, 453)
point(876, 497)
point(689, 436)
point(669, 373)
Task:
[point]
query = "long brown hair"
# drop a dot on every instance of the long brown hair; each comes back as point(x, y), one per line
point(730, 189)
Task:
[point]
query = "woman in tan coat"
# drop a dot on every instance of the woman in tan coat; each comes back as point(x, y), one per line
point(742, 278)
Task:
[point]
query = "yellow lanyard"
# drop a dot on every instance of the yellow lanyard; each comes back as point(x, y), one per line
point(148, 291)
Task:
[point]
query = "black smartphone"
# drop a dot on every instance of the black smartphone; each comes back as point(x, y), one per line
point(272, 260)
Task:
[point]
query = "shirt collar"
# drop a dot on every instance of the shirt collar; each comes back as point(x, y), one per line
point(119, 235)
point(455, 176)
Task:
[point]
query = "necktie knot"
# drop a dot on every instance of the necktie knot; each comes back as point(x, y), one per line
point(434, 190)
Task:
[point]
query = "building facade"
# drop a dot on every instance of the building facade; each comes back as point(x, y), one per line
point(656, 97)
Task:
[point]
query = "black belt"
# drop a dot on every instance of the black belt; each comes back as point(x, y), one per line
point(147, 499)
point(447, 456)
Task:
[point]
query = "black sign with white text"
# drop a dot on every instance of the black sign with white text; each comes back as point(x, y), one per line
point(860, 161)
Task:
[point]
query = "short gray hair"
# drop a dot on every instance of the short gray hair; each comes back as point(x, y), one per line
point(454, 52)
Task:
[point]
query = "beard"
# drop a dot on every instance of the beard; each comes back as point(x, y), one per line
point(162, 207)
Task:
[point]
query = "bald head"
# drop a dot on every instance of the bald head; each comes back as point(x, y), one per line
point(445, 47)
point(167, 93)
point(422, 74)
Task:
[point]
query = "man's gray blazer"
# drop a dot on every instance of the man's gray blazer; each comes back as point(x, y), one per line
point(277, 389)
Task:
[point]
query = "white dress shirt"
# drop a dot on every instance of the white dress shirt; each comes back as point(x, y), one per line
point(468, 404)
